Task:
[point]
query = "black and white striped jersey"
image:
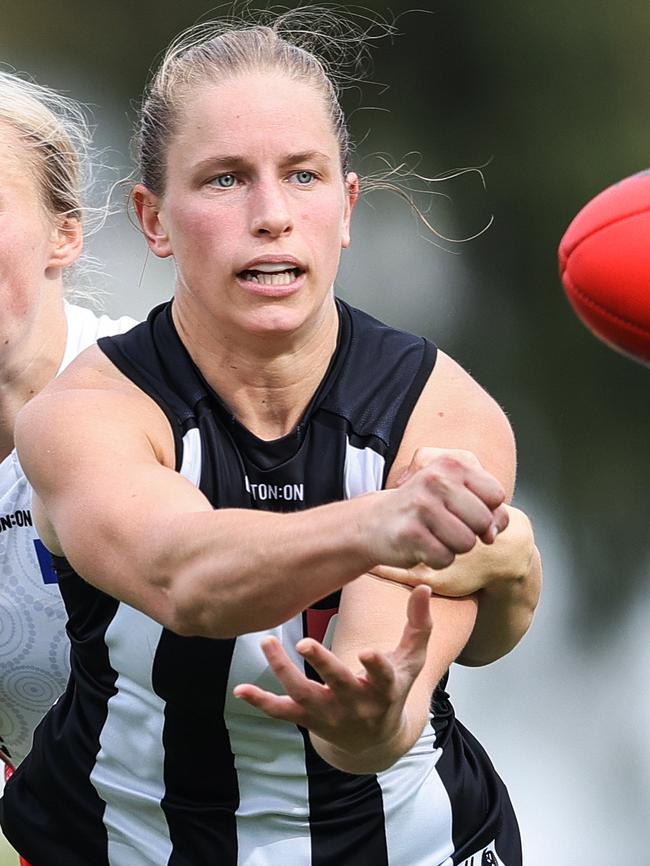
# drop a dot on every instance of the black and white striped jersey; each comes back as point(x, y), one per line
point(148, 759)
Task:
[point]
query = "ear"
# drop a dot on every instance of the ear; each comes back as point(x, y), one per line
point(351, 196)
point(67, 242)
point(147, 207)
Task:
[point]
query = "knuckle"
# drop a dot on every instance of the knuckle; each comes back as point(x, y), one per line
point(460, 458)
point(439, 555)
point(410, 537)
point(446, 557)
point(449, 461)
point(482, 523)
point(468, 458)
point(465, 542)
point(437, 477)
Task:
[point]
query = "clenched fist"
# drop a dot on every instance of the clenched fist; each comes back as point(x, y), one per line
point(443, 502)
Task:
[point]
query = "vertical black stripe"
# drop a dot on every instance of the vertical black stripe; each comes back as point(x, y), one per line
point(480, 805)
point(202, 793)
point(346, 811)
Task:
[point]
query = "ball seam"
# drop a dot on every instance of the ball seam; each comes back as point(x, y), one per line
point(601, 308)
point(594, 231)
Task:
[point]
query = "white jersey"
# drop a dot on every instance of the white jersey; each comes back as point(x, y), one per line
point(34, 648)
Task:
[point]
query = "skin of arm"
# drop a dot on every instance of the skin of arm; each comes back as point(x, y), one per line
point(109, 499)
point(365, 600)
point(506, 580)
point(363, 722)
point(452, 412)
point(505, 577)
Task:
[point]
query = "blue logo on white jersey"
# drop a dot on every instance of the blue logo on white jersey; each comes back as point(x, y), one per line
point(45, 562)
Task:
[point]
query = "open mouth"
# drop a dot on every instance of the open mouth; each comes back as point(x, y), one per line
point(272, 274)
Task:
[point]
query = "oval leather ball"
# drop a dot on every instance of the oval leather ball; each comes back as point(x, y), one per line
point(605, 265)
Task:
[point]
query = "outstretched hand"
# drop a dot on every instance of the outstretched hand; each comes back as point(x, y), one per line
point(360, 717)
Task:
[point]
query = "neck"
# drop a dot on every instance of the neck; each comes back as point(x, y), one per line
point(267, 382)
point(30, 357)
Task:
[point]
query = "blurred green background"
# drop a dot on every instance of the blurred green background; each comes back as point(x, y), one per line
point(553, 100)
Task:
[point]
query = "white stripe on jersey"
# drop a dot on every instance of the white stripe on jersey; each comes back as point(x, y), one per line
point(191, 465)
point(412, 791)
point(364, 470)
point(273, 815)
point(417, 809)
point(134, 722)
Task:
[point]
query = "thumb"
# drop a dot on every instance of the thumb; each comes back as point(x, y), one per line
point(415, 637)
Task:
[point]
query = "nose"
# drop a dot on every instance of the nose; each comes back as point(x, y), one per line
point(270, 212)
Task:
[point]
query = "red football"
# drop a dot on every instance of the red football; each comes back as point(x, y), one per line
point(605, 265)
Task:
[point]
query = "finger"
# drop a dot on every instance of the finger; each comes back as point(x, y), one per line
point(410, 653)
point(418, 575)
point(500, 521)
point(432, 552)
point(470, 509)
point(427, 455)
point(485, 486)
point(292, 679)
point(421, 457)
point(334, 673)
point(417, 631)
point(418, 609)
point(405, 576)
point(380, 670)
point(450, 531)
point(275, 706)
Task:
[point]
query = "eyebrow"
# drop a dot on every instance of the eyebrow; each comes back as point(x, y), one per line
point(234, 161)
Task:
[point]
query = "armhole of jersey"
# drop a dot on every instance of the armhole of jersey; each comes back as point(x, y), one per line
point(115, 355)
point(428, 362)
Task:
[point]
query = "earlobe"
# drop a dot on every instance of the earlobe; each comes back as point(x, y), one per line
point(351, 196)
point(147, 207)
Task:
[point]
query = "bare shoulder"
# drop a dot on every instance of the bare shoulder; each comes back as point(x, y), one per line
point(455, 412)
point(92, 403)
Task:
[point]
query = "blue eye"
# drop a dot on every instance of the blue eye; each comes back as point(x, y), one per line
point(225, 181)
point(304, 177)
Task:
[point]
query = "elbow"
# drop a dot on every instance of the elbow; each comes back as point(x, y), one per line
point(184, 607)
point(196, 607)
point(516, 602)
point(189, 613)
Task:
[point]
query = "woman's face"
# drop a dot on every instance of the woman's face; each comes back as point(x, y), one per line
point(30, 243)
point(255, 209)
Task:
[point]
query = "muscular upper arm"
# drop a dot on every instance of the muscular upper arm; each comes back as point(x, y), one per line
point(454, 411)
point(99, 460)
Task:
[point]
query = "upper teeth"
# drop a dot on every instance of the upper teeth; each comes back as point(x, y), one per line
point(272, 267)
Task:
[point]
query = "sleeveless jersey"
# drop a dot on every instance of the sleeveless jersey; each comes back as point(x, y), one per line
point(34, 649)
point(148, 759)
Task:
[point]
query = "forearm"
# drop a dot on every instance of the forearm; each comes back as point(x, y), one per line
point(505, 612)
point(236, 571)
point(369, 616)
